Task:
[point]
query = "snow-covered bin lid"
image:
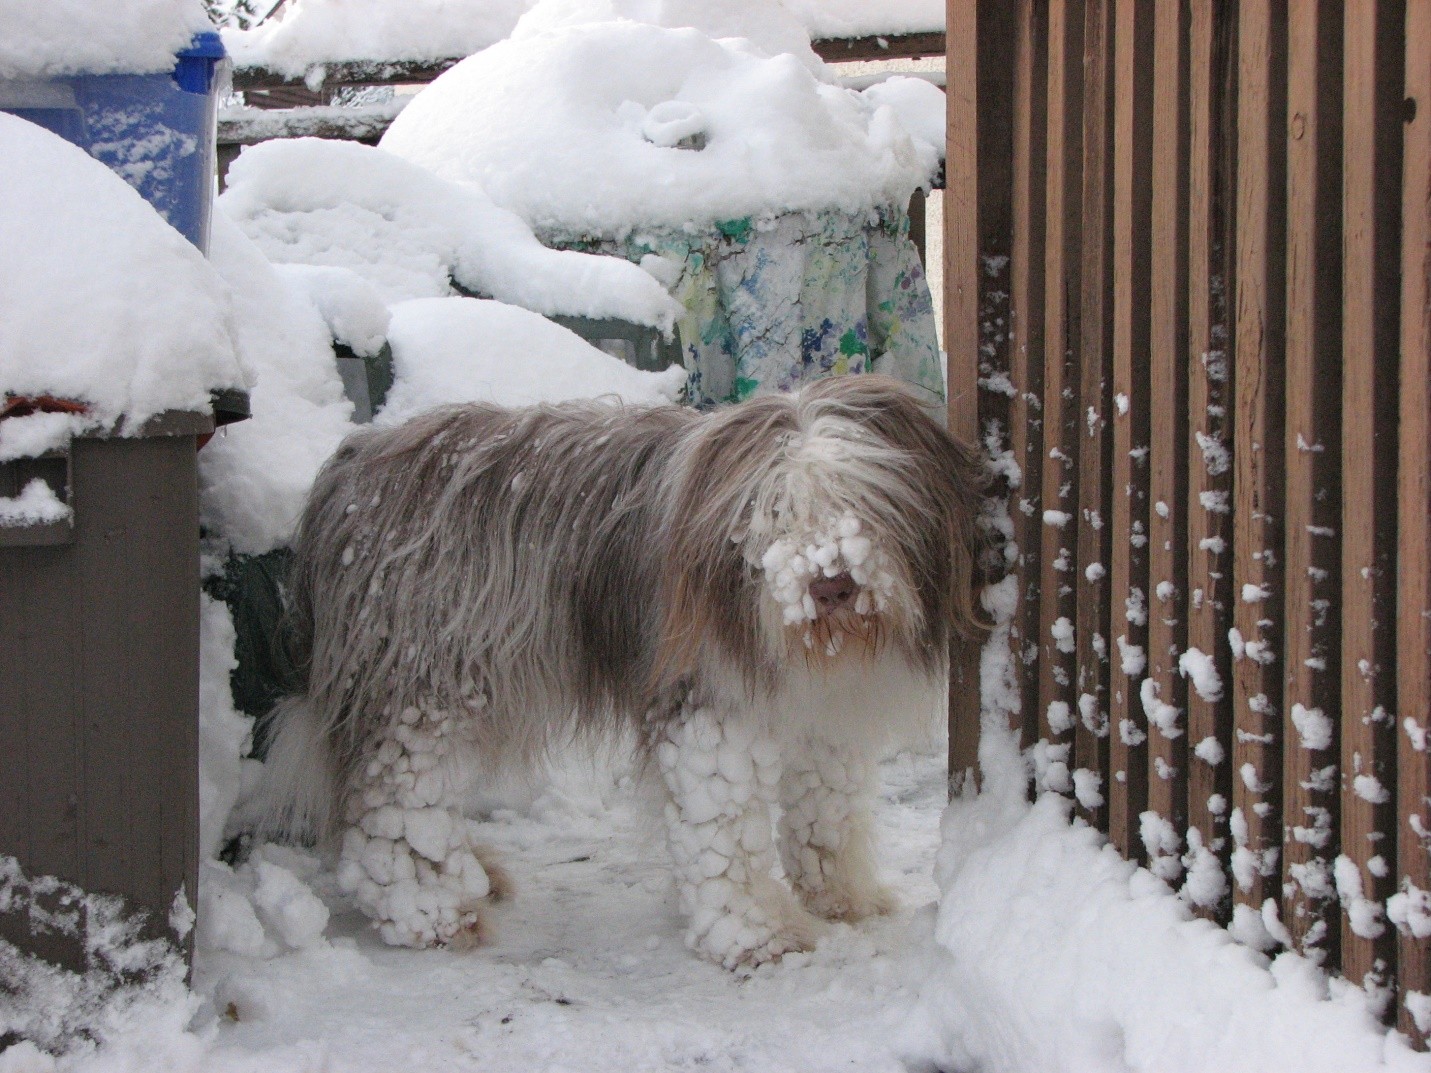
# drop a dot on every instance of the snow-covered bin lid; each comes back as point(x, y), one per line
point(586, 127)
point(67, 37)
point(309, 33)
point(104, 303)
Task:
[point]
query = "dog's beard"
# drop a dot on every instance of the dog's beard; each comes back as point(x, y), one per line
point(845, 634)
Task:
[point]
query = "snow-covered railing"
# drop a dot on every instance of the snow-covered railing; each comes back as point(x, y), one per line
point(405, 72)
point(1188, 246)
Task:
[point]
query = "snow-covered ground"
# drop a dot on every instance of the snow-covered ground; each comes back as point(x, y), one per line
point(1045, 952)
point(586, 969)
point(1023, 942)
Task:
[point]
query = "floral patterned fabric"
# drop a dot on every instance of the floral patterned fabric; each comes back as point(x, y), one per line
point(774, 302)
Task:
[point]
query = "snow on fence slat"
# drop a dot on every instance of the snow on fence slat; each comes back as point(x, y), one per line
point(1371, 189)
point(1209, 436)
point(1128, 562)
point(1257, 495)
point(1218, 221)
point(1311, 467)
point(1161, 695)
point(1413, 648)
point(1026, 352)
point(1059, 469)
point(1095, 373)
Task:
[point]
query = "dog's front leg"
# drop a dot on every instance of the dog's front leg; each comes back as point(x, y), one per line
point(825, 830)
point(722, 776)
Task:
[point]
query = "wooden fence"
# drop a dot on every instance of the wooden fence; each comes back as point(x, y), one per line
point(1187, 265)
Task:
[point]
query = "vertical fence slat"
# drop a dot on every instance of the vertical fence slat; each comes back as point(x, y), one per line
point(1414, 498)
point(1061, 332)
point(1371, 191)
point(961, 317)
point(1413, 640)
point(1257, 402)
point(1312, 552)
point(1027, 350)
point(1095, 356)
point(1128, 566)
point(1164, 688)
point(1211, 282)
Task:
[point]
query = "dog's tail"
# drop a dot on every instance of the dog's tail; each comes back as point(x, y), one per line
point(293, 799)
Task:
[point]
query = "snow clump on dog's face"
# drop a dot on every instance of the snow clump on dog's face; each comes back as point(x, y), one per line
point(791, 564)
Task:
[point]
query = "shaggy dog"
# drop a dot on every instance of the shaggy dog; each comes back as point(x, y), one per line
point(762, 594)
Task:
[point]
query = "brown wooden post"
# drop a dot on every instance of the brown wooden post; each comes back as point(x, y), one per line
point(1257, 494)
point(1371, 205)
point(1311, 461)
point(1413, 590)
point(1128, 566)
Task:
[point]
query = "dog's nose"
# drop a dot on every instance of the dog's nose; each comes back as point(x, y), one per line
point(833, 593)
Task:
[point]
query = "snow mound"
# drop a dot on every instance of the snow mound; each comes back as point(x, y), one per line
point(264, 907)
point(1057, 954)
point(129, 1000)
point(310, 32)
point(467, 350)
point(254, 475)
point(918, 103)
point(350, 305)
point(62, 37)
point(104, 302)
point(411, 234)
point(565, 126)
point(769, 28)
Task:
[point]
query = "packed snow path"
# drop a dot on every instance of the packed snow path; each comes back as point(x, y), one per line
point(586, 967)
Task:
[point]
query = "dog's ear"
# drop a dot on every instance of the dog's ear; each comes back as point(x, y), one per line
point(710, 592)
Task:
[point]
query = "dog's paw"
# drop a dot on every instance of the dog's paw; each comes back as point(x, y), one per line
point(742, 943)
point(849, 906)
point(753, 926)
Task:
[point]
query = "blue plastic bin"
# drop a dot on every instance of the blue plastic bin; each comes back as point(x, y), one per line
point(156, 131)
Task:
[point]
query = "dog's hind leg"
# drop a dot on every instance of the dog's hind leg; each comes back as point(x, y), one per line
point(722, 776)
point(826, 836)
point(408, 855)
